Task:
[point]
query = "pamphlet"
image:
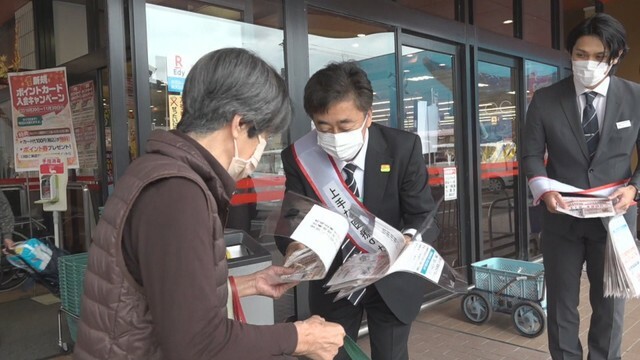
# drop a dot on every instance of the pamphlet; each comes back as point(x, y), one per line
point(622, 260)
point(587, 207)
point(322, 232)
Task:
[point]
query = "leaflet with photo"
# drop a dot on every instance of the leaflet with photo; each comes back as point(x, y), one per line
point(587, 207)
point(322, 232)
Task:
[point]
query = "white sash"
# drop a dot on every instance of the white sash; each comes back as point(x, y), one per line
point(540, 185)
point(325, 178)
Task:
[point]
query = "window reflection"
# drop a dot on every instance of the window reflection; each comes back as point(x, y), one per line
point(338, 38)
point(499, 168)
point(495, 16)
point(179, 33)
point(537, 22)
point(538, 75)
point(429, 110)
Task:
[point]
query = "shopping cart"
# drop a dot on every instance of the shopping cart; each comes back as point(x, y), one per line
point(509, 286)
point(71, 269)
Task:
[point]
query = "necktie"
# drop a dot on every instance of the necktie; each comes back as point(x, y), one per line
point(348, 172)
point(348, 248)
point(590, 123)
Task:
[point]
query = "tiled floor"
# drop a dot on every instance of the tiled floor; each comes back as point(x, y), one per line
point(441, 332)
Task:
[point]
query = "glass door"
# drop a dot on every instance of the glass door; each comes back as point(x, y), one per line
point(497, 83)
point(430, 109)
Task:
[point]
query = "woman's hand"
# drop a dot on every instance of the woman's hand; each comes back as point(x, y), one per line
point(318, 339)
point(265, 282)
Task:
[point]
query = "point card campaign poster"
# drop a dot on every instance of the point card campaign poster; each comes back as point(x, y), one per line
point(41, 115)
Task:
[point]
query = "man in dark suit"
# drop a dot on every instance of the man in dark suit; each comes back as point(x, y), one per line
point(390, 179)
point(588, 124)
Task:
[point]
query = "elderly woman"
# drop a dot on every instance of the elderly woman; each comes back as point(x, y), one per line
point(156, 282)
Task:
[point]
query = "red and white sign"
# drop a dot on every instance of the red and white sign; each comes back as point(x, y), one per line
point(41, 117)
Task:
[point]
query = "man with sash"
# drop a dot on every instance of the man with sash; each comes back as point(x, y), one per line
point(588, 125)
point(349, 161)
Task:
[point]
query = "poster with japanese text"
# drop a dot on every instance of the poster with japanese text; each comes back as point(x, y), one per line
point(175, 110)
point(41, 118)
point(450, 184)
point(85, 128)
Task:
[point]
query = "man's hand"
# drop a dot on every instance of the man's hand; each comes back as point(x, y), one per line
point(407, 238)
point(318, 339)
point(623, 198)
point(553, 200)
point(265, 282)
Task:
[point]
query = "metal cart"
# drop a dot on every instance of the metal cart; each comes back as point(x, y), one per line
point(509, 286)
point(71, 271)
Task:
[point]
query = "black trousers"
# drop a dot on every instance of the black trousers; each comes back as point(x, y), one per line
point(565, 250)
point(388, 335)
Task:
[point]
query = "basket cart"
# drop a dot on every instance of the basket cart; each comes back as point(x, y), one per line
point(508, 286)
point(71, 270)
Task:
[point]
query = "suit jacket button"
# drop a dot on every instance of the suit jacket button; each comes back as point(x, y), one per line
point(590, 170)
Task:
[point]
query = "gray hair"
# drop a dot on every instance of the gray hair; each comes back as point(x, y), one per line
point(229, 82)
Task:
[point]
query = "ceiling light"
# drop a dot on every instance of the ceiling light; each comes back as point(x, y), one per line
point(508, 21)
point(482, 85)
point(442, 65)
point(355, 45)
point(361, 35)
point(511, 92)
point(405, 70)
point(420, 78)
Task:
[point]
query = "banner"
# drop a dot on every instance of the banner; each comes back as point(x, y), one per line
point(175, 110)
point(85, 128)
point(41, 118)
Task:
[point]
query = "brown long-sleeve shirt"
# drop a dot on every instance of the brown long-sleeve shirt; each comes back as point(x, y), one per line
point(168, 249)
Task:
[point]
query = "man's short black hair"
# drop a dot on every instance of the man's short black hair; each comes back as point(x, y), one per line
point(337, 82)
point(605, 27)
point(229, 82)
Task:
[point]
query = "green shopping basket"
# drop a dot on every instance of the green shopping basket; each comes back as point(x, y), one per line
point(71, 273)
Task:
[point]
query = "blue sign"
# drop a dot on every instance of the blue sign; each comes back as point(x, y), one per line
point(175, 84)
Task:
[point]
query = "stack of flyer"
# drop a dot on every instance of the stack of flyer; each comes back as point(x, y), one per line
point(622, 259)
point(322, 232)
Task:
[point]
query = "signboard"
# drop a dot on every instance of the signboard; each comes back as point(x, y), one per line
point(175, 110)
point(53, 184)
point(450, 184)
point(176, 73)
point(83, 110)
point(41, 118)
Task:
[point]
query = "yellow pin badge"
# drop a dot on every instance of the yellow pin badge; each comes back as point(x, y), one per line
point(385, 168)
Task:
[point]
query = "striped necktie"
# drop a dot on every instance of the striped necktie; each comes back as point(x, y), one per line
point(590, 123)
point(348, 248)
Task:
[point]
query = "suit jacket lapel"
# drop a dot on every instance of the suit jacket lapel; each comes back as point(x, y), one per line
point(375, 181)
point(611, 114)
point(570, 108)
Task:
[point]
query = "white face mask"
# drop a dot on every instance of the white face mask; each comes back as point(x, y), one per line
point(344, 145)
point(241, 168)
point(589, 72)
